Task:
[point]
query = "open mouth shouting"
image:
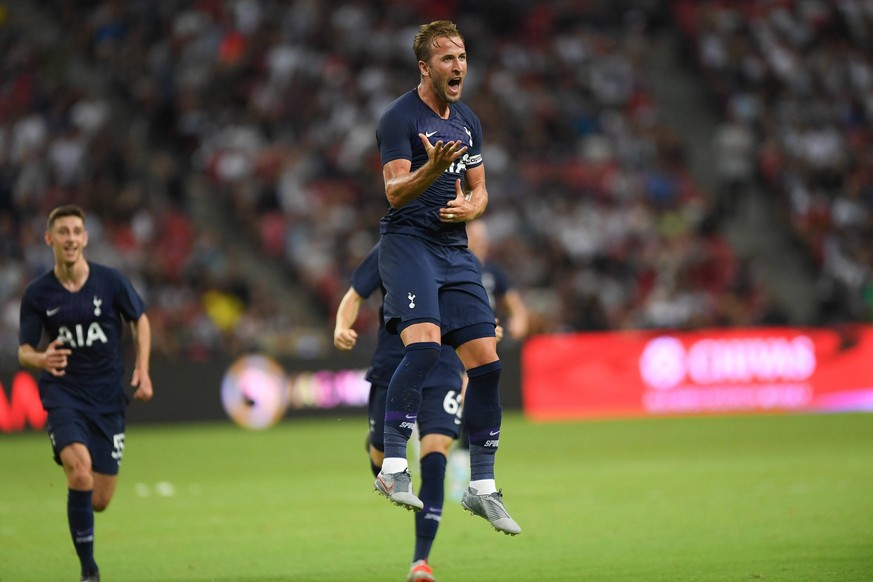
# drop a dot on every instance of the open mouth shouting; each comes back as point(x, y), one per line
point(453, 88)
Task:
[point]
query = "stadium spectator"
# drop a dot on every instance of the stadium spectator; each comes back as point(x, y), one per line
point(268, 109)
point(800, 75)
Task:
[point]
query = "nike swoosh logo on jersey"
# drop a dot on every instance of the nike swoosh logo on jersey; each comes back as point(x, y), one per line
point(429, 133)
point(494, 432)
point(50, 312)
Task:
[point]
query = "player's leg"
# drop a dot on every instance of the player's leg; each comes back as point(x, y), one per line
point(376, 434)
point(458, 466)
point(482, 417)
point(401, 413)
point(377, 456)
point(69, 433)
point(482, 411)
point(411, 308)
point(107, 449)
point(76, 461)
point(470, 324)
point(106, 442)
point(438, 422)
point(422, 352)
point(434, 452)
point(104, 489)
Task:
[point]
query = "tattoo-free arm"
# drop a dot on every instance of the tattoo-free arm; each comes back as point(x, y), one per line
point(470, 204)
point(344, 337)
point(53, 359)
point(403, 186)
point(142, 339)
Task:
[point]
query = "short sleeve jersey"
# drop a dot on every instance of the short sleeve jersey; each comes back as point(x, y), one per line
point(90, 322)
point(397, 138)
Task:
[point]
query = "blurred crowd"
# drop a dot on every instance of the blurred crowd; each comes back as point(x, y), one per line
point(268, 109)
point(794, 84)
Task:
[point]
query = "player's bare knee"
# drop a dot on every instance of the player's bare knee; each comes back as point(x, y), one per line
point(441, 448)
point(436, 443)
point(80, 479)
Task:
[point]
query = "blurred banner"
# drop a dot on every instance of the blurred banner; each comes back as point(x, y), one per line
point(620, 374)
point(253, 390)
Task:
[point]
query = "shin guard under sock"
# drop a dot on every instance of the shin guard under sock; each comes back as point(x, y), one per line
point(432, 494)
point(80, 515)
point(404, 395)
point(482, 417)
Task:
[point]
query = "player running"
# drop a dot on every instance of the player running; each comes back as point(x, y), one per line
point(71, 326)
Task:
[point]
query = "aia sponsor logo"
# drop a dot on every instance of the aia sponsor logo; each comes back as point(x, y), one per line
point(79, 337)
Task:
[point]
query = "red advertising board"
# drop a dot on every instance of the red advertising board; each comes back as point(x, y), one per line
point(618, 374)
point(23, 406)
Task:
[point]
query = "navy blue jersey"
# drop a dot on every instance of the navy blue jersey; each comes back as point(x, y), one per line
point(389, 348)
point(90, 321)
point(397, 138)
point(496, 283)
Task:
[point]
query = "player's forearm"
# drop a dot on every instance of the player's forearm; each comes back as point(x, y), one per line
point(478, 197)
point(404, 188)
point(344, 337)
point(347, 312)
point(476, 193)
point(30, 358)
point(143, 341)
point(345, 320)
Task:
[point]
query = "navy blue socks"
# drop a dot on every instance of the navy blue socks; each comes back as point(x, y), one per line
point(404, 395)
point(482, 417)
point(432, 493)
point(80, 515)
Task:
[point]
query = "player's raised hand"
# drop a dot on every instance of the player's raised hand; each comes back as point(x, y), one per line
point(440, 154)
point(55, 358)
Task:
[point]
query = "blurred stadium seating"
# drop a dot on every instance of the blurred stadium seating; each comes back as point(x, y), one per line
point(209, 138)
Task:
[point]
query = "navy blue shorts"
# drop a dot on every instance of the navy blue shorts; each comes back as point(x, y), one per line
point(102, 434)
point(440, 411)
point(427, 282)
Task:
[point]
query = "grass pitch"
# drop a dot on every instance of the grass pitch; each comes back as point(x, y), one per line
point(786, 498)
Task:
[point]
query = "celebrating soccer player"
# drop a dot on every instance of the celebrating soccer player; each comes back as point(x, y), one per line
point(430, 144)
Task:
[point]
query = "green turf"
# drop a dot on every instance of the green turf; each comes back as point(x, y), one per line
point(786, 498)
